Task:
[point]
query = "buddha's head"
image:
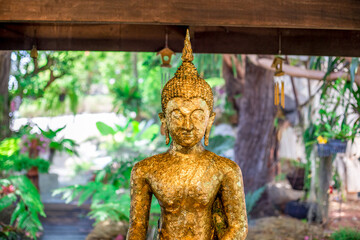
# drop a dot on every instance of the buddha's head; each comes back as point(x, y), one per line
point(187, 104)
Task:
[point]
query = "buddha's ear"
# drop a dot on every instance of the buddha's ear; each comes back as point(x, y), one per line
point(164, 129)
point(208, 128)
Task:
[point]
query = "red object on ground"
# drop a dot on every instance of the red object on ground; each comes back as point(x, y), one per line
point(120, 237)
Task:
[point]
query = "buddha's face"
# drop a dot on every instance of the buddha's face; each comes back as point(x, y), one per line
point(187, 120)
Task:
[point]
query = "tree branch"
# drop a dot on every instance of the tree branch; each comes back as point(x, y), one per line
point(300, 72)
point(37, 69)
point(52, 79)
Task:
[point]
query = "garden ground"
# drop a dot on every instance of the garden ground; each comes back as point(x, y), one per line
point(70, 222)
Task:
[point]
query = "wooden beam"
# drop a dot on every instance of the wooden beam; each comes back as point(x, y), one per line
point(151, 38)
point(266, 41)
point(97, 37)
point(309, 14)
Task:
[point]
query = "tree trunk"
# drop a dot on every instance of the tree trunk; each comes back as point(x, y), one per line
point(256, 143)
point(5, 60)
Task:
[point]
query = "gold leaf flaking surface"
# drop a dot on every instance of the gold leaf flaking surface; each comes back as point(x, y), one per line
point(186, 189)
point(201, 194)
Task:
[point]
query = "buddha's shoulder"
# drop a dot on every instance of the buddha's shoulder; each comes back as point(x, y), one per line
point(149, 161)
point(223, 163)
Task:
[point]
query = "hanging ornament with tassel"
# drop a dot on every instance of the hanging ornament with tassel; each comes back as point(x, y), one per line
point(279, 82)
point(279, 87)
point(166, 54)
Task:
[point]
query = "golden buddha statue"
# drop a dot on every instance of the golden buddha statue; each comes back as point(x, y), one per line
point(200, 193)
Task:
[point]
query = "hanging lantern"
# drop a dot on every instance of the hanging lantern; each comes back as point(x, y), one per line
point(34, 53)
point(166, 54)
point(278, 82)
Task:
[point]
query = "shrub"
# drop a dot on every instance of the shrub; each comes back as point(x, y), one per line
point(19, 191)
point(345, 234)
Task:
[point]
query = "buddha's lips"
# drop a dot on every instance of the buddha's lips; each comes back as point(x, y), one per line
point(187, 134)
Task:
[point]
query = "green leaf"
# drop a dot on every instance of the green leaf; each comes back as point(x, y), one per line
point(7, 200)
point(50, 133)
point(61, 190)
point(22, 217)
point(215, 81)
point(100, 176)
point(150, 132)
point(252, 197)
point(36, 221)
point(85, 195)
point(105, 129)
point(4, 182)
point(135, 127)
point(20, 208)
point(55, 145)
point(9, 146)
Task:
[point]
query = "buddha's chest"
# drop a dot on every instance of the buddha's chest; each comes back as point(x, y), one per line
point(187, 183)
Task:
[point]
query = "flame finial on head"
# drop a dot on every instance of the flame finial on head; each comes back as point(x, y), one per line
point(187, 55)
point(187, 83)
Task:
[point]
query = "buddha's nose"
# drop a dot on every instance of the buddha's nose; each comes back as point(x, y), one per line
point(187, 124)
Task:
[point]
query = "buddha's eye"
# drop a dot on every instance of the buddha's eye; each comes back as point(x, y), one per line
point(176, 114)
point(198, 115)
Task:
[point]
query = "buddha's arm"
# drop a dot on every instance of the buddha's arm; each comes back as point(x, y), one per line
point(233, 199)
point(140, 205)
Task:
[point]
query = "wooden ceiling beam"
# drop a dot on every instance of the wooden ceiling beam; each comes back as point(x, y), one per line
point(151, 38)
point(308, 14)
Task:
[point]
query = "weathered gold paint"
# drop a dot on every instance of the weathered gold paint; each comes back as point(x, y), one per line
point(200, 193)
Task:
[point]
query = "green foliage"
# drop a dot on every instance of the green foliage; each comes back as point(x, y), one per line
point(38, 82)
point(109, 193)
point(336, 100)
point(208, 65)
point(315, 63)
point(17, 163)
point(345, 234)
point(310, 138)
point(218, 144)
point(12, 233)
point(130, 138)
point(295, 163)
point(51, 134)
point(215, 81)
point(9, 146)
point(105, 129)
point(133, 80)
point(251, 198)
point(331, 127)
point(28, 204)
point(61, 145)
point(355, 104)
point(332, 123)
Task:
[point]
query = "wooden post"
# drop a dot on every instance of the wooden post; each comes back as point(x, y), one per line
point(325, 173)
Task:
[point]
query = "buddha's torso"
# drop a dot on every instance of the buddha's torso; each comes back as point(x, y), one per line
point(186, 187)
